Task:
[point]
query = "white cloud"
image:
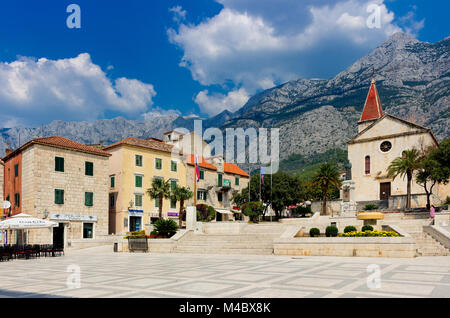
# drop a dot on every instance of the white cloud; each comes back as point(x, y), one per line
point(179, 14)
point(34, 91)
point(213, 104)
point(252, 44)
point(159, 112)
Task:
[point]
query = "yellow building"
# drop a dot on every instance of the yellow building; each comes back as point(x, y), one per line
point(133, 165)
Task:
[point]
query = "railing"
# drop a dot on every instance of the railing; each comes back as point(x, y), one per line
point(138, 244)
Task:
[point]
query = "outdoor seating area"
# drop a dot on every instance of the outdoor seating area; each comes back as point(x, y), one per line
point(11, 252)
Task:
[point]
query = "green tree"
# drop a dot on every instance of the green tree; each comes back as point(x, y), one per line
point(406, 165)
point(434, 169)
point(160, 190)
point(326, 177)
point(253, 210)
point(182, 194)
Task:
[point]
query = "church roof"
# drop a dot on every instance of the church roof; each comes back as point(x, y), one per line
point(420, 129)
point(372, 107)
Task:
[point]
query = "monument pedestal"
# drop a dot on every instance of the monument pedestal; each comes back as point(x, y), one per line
point(348, 205)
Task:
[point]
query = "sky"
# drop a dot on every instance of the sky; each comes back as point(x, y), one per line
point(138, 59)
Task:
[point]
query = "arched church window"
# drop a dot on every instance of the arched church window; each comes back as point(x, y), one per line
point(386, 146)
point(368, 165)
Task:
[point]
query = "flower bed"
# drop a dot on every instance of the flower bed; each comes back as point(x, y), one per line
point(370, 234)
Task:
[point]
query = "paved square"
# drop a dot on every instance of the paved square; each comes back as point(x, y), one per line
point(107, 274)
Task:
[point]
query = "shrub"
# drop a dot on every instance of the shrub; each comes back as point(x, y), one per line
point(302, 211)
point(331, 231)
point(166, 228)
point(205, 213)
point(447, 201)
point(349, 229)
point(253, 210)
point(314, 232)
point(367, 228)
point(136, 235)
point(371, 207)
point(370, 234)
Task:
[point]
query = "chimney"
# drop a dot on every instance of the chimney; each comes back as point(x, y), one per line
point(8, 150)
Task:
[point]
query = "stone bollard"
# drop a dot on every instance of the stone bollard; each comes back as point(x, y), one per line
point(191, 218)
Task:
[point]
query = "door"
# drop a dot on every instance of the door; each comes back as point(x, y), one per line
point(58, 236)
point(135, 223)
point(385, 191)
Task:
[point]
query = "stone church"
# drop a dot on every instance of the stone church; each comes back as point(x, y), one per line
point(381, 138)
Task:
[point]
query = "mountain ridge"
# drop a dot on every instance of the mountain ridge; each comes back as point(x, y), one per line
point(314, 115)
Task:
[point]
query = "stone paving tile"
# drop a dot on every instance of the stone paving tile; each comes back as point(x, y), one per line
point(107, 274)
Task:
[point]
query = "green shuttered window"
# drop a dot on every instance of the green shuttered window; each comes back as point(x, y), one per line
point(59, 164)
point(59, 196)
point(89, 168)
point(88, 198)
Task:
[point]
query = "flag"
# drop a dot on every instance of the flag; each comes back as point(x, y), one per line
point(262, 173)
point(197, 170)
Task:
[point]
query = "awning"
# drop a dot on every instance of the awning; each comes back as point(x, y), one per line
point(19, 222)
point(224, 211)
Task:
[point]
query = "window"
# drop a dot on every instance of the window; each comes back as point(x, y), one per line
point(368, 165)
point(17, 199)
point(173, 184)
point(156, 202)
point(88, 230)
point(158, 163)
point(386, 146)
point(202, 174)
point(59, 196)
point(16, 170)
point(138, 160)
point(88, 199)
point(220, 196)
point(220, 181)
point(138, 181)
point(112, 200)
point(89, 168)
point(59, 164)
point(173, 166)
point(138, 200)
point(236, 181)
point(112, 181)
point(173, 203)
point(201, 195)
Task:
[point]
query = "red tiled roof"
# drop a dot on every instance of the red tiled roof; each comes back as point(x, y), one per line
point(202, 162)
point(59, 142)
point(372, 107)
point(234, 169)
point(144, 143)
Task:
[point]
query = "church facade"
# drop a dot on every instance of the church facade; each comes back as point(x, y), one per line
point(382, 138)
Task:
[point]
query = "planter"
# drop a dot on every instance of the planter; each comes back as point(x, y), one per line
point(138, 244)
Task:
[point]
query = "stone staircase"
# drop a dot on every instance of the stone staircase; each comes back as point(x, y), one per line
point(427, 246)
point(254, 239)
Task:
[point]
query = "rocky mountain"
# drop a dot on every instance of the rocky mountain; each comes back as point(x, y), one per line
point(413, 80)
point(314, 115)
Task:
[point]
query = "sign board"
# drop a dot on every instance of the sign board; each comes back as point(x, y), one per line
point(227, 183)
point(73, 217)
point(172, 214)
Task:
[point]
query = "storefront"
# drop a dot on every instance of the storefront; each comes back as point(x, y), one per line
point(135, 220)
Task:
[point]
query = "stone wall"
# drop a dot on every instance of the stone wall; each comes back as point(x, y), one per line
point(40, 181)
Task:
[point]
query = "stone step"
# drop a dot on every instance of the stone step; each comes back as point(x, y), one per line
point(193, 250)
point(224, 245)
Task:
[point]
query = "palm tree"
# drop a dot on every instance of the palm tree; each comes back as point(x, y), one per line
point(403, 166)
point(326, 176)
point(160, 190)
point(182, 194)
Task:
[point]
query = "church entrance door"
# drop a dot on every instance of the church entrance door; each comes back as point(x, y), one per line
point(385, 191)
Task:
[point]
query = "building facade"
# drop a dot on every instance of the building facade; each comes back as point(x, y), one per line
point(133, 165)
point(62, 181)
point(382, 138)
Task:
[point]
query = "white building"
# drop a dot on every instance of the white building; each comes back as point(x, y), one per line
point(381, 138)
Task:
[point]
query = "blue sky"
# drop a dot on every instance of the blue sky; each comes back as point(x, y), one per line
point(139, 58)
